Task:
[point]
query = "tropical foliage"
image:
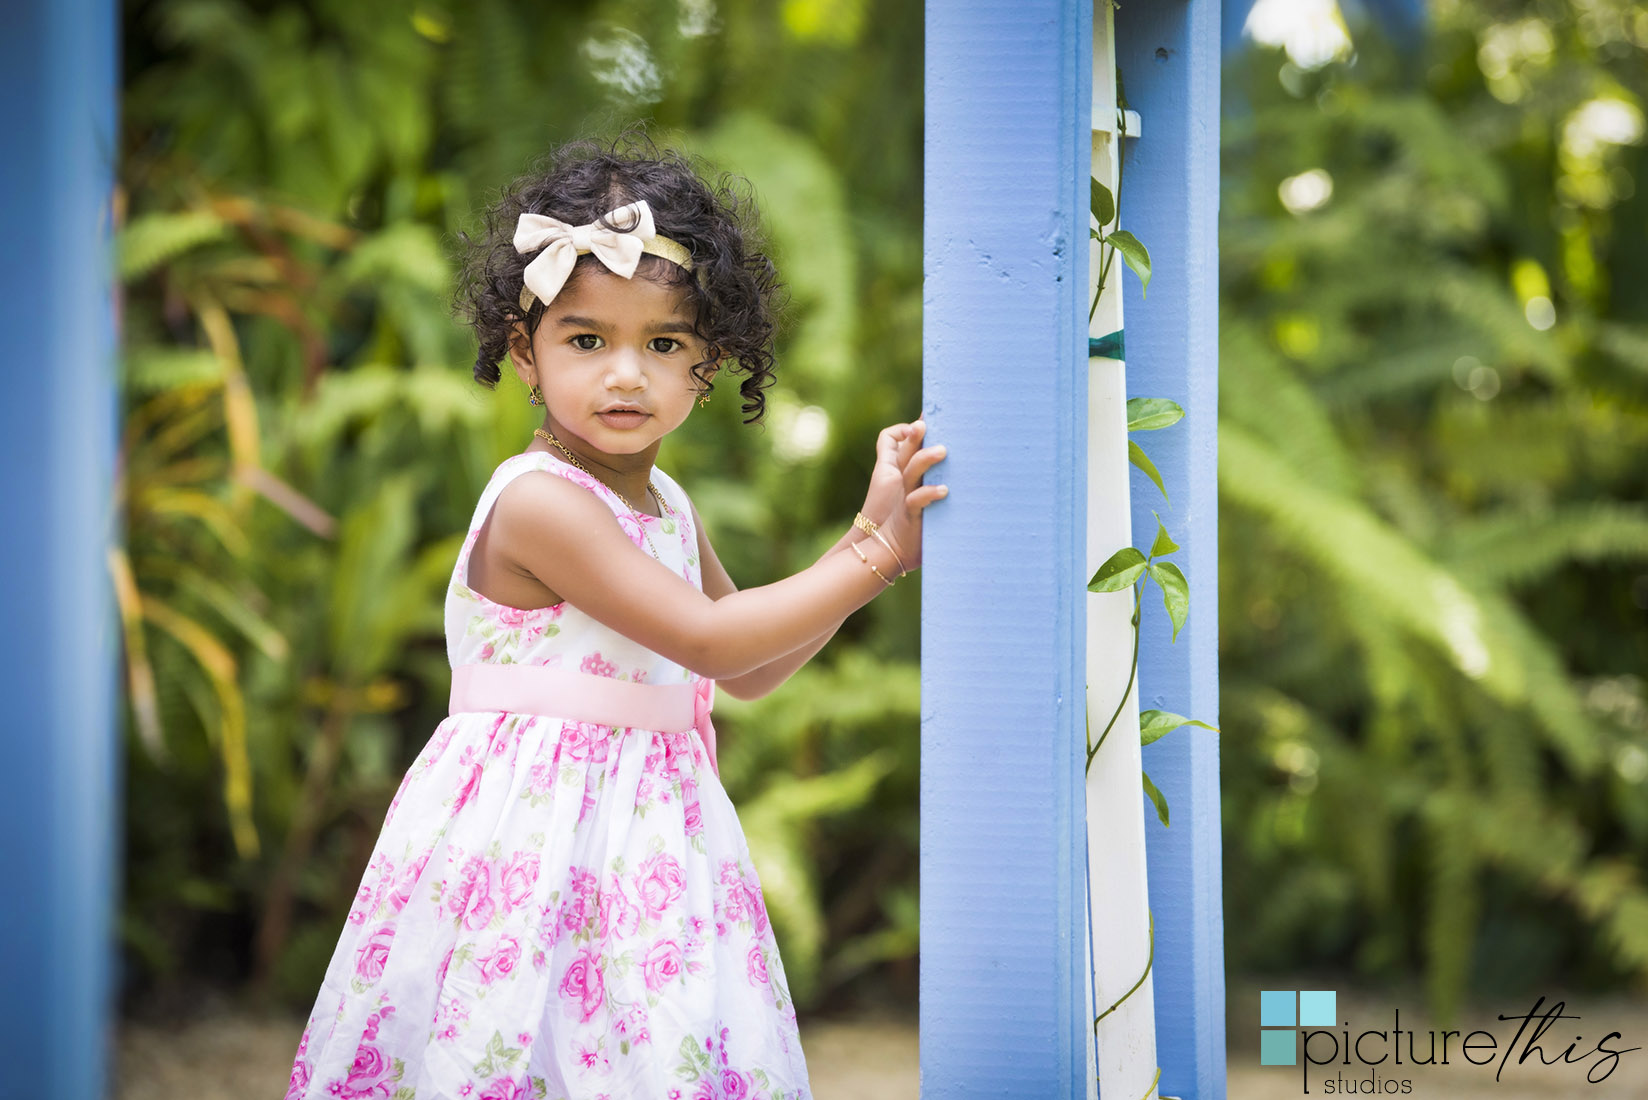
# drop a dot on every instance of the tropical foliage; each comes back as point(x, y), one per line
point(1433, 468)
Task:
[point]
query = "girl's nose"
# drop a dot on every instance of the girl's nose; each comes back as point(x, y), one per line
point(624, 369)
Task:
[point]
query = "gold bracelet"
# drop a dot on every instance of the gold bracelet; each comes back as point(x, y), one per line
point(866, 524)
point(879, 537)
point(857, 550)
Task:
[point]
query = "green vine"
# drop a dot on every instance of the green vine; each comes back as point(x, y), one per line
point(1148, 962)
point(1128, 567)
point(1105, 209)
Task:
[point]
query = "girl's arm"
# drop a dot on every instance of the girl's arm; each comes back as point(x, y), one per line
point(569, 539)
point(890, 482)
point(718, 583)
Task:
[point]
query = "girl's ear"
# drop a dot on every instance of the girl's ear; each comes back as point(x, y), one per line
point(520, 353)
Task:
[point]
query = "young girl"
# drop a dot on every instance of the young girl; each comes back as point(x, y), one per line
point(561, 904)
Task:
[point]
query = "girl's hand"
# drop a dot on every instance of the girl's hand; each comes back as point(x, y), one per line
point(894, 446)
point(900, 524)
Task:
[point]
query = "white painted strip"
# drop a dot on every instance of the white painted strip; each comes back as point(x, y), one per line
point(1118, 896)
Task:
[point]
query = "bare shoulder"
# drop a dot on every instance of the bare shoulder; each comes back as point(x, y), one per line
point(539, 504)
point(534, 504)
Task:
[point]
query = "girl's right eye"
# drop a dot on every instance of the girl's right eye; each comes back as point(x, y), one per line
point(578, 341)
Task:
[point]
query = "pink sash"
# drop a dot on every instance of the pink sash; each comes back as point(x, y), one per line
point(583, 697)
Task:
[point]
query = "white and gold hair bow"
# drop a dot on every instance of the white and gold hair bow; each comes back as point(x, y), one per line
point(619, 249)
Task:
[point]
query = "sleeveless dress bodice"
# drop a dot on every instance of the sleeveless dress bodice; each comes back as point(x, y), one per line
point(479, 630)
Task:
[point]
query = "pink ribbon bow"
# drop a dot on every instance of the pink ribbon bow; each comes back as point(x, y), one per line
point(703, 700)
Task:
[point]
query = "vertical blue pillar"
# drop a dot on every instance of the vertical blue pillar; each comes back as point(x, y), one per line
point(58, 646)
point(1003, 916)
point(1169, 54)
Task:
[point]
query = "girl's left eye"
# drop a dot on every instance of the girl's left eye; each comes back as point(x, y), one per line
point(669, 345)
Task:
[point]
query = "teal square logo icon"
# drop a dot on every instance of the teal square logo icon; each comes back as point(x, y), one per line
point(1317, 1008)
point(1277, 1047)
point(1282, 1012)
point(1277, 1008)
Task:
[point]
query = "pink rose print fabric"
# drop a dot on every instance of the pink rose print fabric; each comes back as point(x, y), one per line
point(556, 910)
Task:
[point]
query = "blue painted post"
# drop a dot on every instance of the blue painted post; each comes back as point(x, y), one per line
point(1003, 916)
point(58, 650)
point(1169, 54)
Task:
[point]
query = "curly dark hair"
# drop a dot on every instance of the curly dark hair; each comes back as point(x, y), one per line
point(733, 285)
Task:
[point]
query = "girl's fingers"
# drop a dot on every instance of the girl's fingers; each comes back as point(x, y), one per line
point(922, 461)
point(908, 443)
point(888, 446)
point(924, 495)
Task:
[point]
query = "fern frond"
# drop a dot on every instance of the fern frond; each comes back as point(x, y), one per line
point(150, 240)
point(1480, 633)
point(1453, 902)
point(1257, 391)
point(1511, 546)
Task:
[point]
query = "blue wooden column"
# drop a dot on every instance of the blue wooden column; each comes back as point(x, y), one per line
point(1169, 55)
point(59, 646)
point(1003, 916)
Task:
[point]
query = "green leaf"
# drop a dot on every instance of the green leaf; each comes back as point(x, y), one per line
point(498, 1056)
point(692, 1058)
point(1146, 414)
point(1156, 724)
point(152, 239)
point(1120, 571)
point(406, 252)
point(1103, 203)
point(1156, 797)
point(1175, 592)
point(1163, 544)
point(161, 369)
point(1137, 257)
point(1136, 455)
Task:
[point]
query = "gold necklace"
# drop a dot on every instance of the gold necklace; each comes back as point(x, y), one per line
point(663, 504)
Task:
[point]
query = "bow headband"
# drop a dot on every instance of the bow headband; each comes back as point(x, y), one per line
point(619, 249)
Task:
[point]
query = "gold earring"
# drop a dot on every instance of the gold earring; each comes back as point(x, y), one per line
point(535, 396)
point(704, 399)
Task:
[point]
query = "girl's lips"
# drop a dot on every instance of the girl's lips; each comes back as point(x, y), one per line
point(625, 418)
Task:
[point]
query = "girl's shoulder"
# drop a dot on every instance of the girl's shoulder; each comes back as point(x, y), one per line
point(542, 461)
point(530, 461)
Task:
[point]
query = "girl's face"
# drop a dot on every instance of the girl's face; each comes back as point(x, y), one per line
point(607, 344)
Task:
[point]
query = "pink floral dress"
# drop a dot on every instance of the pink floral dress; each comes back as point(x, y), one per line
point(557, 910)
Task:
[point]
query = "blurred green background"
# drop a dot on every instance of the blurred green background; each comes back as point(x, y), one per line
point(1434, 463)
point(1433, 574)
